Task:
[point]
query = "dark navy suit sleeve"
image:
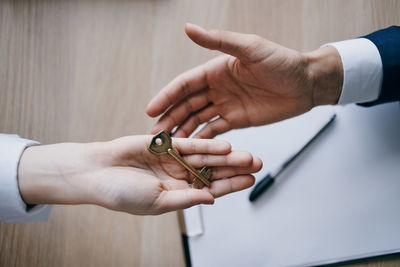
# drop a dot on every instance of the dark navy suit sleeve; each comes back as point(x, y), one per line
point(388, 43)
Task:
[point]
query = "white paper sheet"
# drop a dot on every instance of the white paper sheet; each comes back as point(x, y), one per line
point(340, 200)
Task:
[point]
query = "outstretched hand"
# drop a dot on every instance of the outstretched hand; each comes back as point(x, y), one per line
point(256, 82)
point(123, 175)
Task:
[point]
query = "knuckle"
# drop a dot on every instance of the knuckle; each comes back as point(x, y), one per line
point(217, 32)
point(196, 120)
point(203, 159)
point(184, 132)
point(188, 106)
point(219, 35)
point(254, 42)
point(212, 131)
point(225, 145)
point(185, 87)
point(193, 147)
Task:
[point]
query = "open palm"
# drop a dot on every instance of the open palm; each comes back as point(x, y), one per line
point(137, 181)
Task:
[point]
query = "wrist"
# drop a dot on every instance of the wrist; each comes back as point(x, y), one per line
point(325, 73)
point(53, 174)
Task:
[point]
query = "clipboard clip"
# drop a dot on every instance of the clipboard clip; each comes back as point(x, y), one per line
point(191, 221)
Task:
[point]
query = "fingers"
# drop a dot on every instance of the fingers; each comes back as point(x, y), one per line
point(233, 159)
point(225, 171)
point(232, 43)
point(201, 146)
point(186, 198)
point(185, 84)
point(179, 113)
point(214, 128)
point(225, 186)
point(182, 199)
point(195, 120)
point(224, 167)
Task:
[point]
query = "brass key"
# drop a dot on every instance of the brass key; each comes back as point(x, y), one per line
point(206, 173)
point(162, 143)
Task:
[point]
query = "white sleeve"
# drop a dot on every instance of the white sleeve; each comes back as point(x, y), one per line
point(362, 70)
point(12, 207)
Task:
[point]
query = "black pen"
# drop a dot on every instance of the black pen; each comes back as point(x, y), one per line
point(269, 179)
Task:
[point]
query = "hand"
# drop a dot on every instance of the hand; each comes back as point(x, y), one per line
point(259, 82)
point(123, 175)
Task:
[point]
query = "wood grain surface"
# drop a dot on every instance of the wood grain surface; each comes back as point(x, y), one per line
point(84, 71)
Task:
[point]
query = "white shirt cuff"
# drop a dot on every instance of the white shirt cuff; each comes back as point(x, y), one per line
point(12, 207)
point(362, 70)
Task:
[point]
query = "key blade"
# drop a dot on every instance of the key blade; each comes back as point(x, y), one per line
point(160, 143)
point(206, 173)
point(188, 166)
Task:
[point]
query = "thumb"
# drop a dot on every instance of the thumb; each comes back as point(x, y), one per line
point(241, 46)
point(183, 199)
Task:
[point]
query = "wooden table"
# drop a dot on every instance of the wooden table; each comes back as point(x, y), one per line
point(85, 70)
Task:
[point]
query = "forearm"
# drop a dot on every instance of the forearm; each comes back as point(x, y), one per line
point(52, 174)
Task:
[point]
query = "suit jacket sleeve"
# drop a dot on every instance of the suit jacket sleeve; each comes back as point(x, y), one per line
point(388, 43)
